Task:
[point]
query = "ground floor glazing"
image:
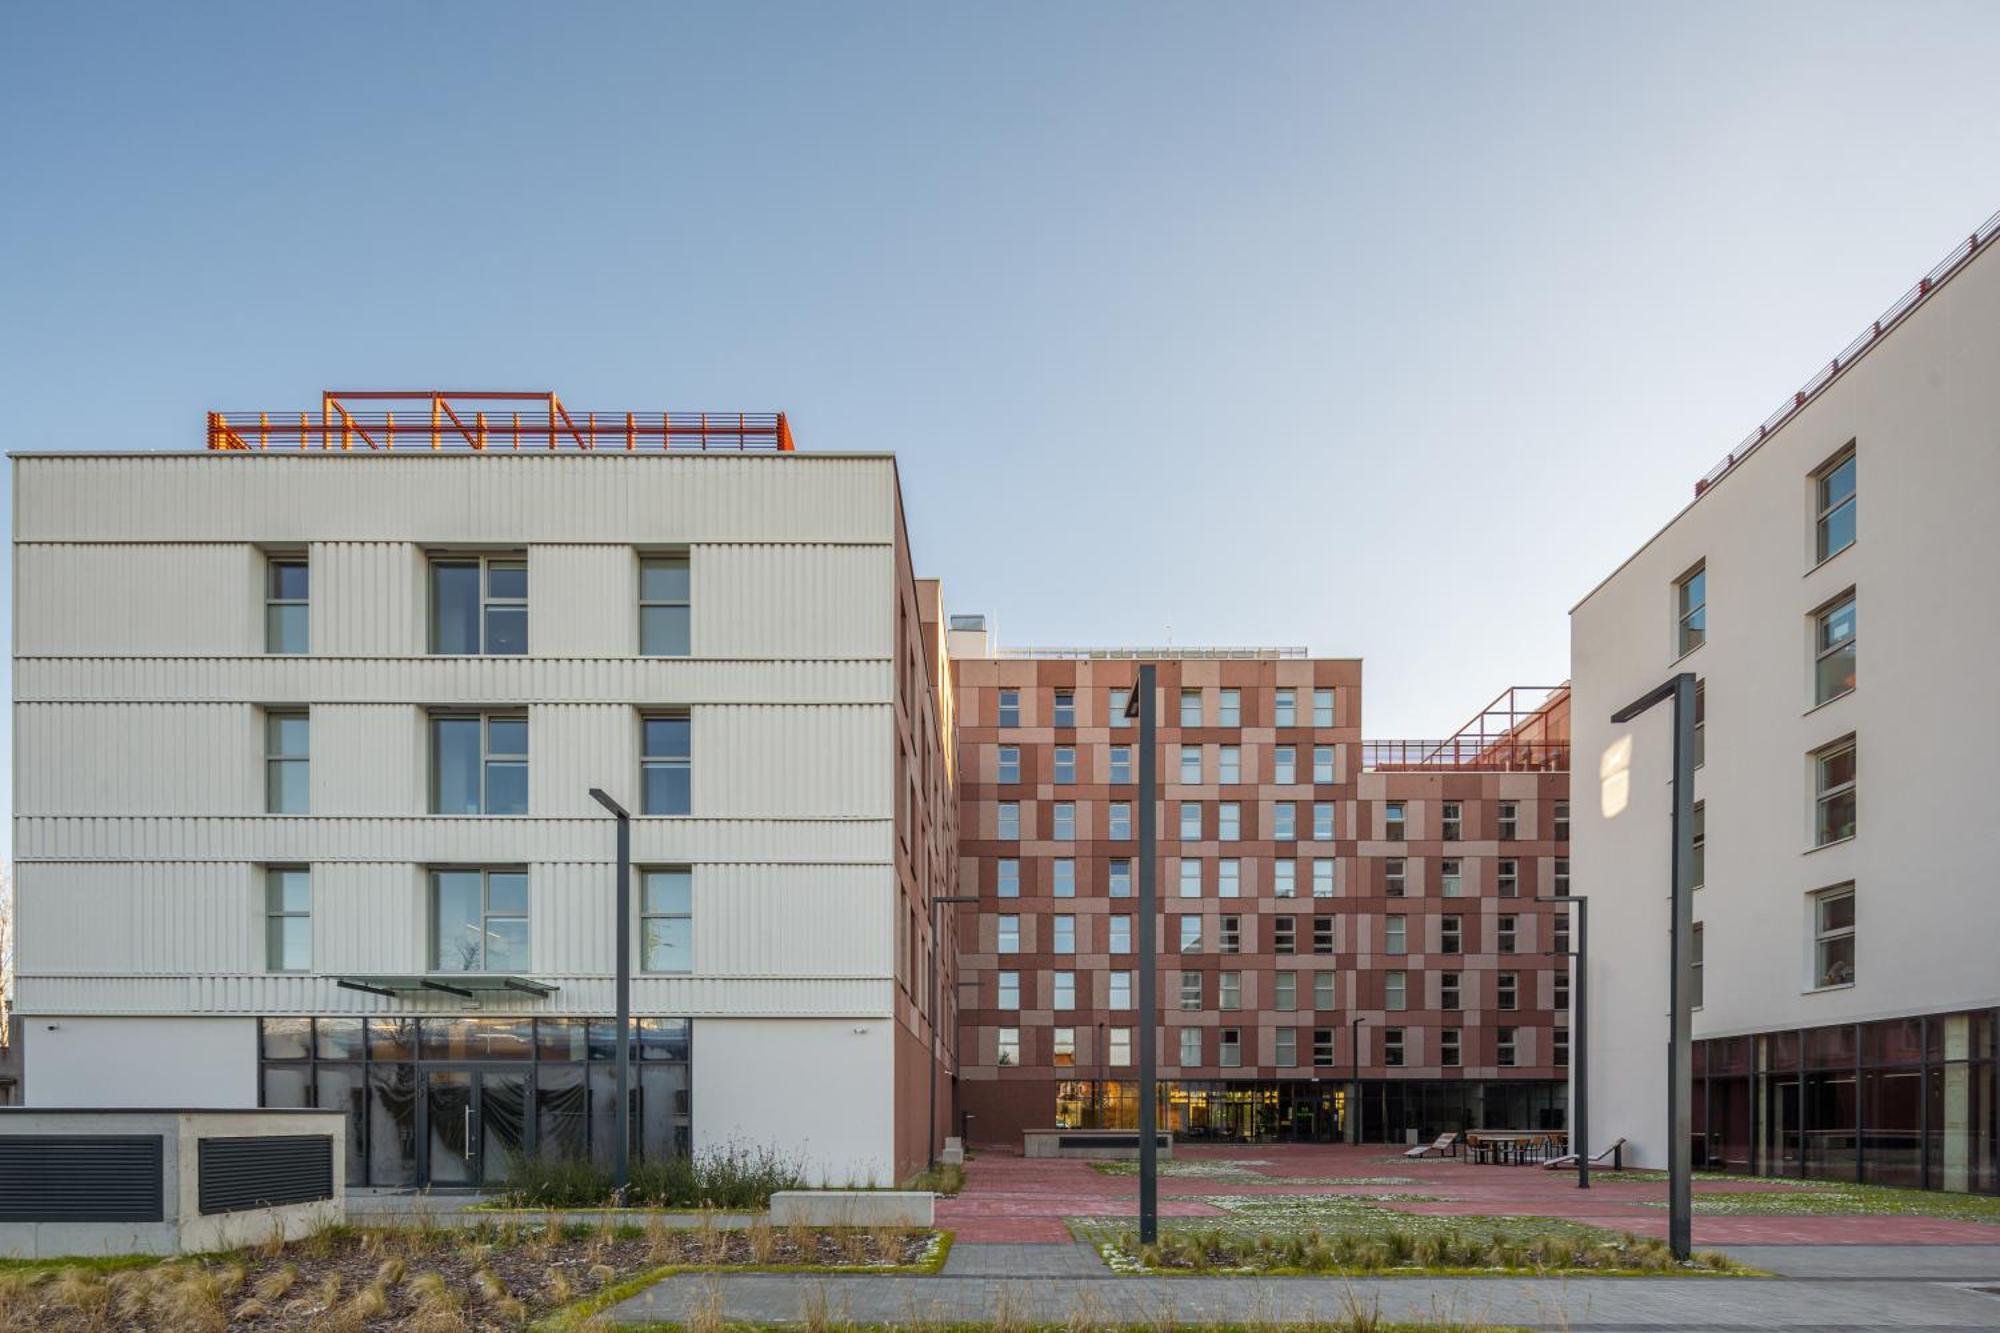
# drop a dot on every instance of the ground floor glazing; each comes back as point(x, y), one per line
point(1316, 1110)
point(450, 1102)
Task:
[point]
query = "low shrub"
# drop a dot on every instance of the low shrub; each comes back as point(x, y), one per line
point(732, 1178)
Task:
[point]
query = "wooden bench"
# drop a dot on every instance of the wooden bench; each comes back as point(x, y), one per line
point(1446, 1145)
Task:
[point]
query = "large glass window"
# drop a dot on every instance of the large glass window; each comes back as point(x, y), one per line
point(666, 921)
point(1117, 702)
point(1228, 821)
point(479, 604)
point(1121, 1048)
point(1323, 822)
point(1691, 610)
point(1395, 991)
point(479, 920)
point(1833, 803)
point(1119, 990)
point(1284, 879)
point(1395, 936)
point(288, 919)
point(1121, 934)
point(1120, 877)
point(287, 771)
point(1065, 821)
point(1008, 820)
point(1065, 934)
point(1451, 877)
point(1062, 1046)
point(1395, 821)
point(1007, 878)
point(664, 607)
point(1007, 990)
point(1833, 650)
point(1230, 758)
point(1063, 991)
point(666, 765)
point(1063, 883)
point(1322, 763)
point(1007, 1046)
point(1232, 708)
point(1453, 820)
point(1065, 708)
point(1285, 765)
point(1119, 820)
point(1285, 991)
point(1007, 933)
point(1322, 708)
point(1190, 765)
point(1284, 708)
point(1010, 763)
point(1010, 708)
point(1190, 1046)
point(1190, 708)
point(1833, 936)
point(1121, 764)
point(479, 764)
point(287, 605)
point(1066, 764)
point(1833, 491)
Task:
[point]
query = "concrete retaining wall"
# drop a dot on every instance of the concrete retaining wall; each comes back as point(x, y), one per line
point(853, 1208)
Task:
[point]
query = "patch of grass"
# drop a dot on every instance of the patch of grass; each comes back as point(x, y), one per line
point(1828, 1198)
point(1239, 1172)
point(96, 1263)
point(945, 1178)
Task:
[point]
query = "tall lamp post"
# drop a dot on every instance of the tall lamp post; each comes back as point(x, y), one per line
point(1143, 706)
point(1579, 1064)
point(622, 1169)
point(937, 1009)
point(1354, 1080)
point(1680, 989)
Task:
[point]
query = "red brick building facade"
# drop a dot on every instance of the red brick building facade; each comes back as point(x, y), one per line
point(1307, 879)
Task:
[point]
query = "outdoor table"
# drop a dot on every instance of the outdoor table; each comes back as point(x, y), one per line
point(1510, 1147)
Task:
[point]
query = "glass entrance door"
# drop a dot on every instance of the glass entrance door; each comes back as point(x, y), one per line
point(477, 1120)
point(451, 1159)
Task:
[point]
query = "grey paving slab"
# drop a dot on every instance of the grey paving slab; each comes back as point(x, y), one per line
point(1614, 1305)
point(984, 1260)
point(1969, 1263)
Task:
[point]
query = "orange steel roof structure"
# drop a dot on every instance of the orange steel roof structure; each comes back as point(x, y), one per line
point(1524, 730)
point(465, 419)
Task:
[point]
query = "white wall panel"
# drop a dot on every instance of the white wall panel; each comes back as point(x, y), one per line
point(491, 498)
point(130, 598)
point(135, 916)
point(138, 759)
point(761, 1082)
point(583, 601)
point(369, 599)
point(774, 920)
point(574, 747)
point(370, 760)
point(794, 761)
point(369, 918)
point(205, 1062)
point(793, 601)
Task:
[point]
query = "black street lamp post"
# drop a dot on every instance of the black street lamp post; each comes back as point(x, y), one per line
point(1144, 706)
point(1579, 1056)
point(1354, 1081)
point(622, 1167)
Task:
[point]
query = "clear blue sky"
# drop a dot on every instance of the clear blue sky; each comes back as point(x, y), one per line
point(1385, 330)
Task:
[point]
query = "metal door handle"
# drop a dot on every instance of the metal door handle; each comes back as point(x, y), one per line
point(468, 1129)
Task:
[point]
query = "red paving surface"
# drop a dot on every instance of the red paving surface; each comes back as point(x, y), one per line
point(1010, 1199)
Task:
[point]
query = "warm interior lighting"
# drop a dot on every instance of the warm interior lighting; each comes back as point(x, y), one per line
point(1614, 777)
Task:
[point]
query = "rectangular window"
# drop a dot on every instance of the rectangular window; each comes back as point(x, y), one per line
point(1064, 883)
point(1115, 705)
point(1395, 876)
point(1190, 765)
point(1562, 876)
point(1065, 830)
point(1121, 1048)
point(1453, 822)
point(1833, 647)
point(1395, 991)
point(1508, 990)
point(1228, 821)
point(1285, 991)
point(1561, 1001)
point(1190, 1046)
point(1007, 933)
point(1119, 990)
point(1190, 821)
point(1190, 992)
point(1007, 1046)
point(1507, 877)
point(288, 919)
point(1229, 1046)
point(1285, 1048)
point(1229, 993)
point(1561, 930)
point(1010, 764)
point(1700, 723)
point(1063, 992)
point(1562, 1048)
point(1065, 934)
point(1451, 877)
point(1284, 708)
point(1833, 802)
point(1231, 940)
point(666, 920)
point(1322, 763)
point(1323, 821)
point(1395, 825)
point(1121, 764)
point(1231, 758)
point(1449, 1048)
point(1691, 610)
point(1009, 817)
point(1190, 934)
point(1190, 878)
point(1507, 929)
point(1010, 708)
point(1448, 990)
point(1322, 1048)
point(479, 604)
point(1561, 832)
point(1698, 841)
point(1323, 934)
point(1510, 821)
point(1007, 991)
point(1007, 878)
point(664, 625)
point(1395, 935)
point(1833, 493)
point(1229, 878)
point(1121, 878)
point(1323, 990)
point(1285, 765)
point(1284, 879)
point(1503, 1049)
point(287, 605)
point(1284, 934)
point(1451, 934)
point(1392, 1047)
point(1284, 821)
point(1232, 708)
point(479, 920)
point(1062, 1047)
point(1695, 966)
point(1833, 937)
point(1323, 877)
point(1190, 708)
point(287, 762)
point(1322, 708)
point(1121, 934)
point(1120, 820)
point(1065, 708)
point(666, 765)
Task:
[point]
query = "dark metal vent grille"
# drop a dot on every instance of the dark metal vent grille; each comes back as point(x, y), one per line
point(242, 1173)
point(1105, 1141)
point(80, 1178)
